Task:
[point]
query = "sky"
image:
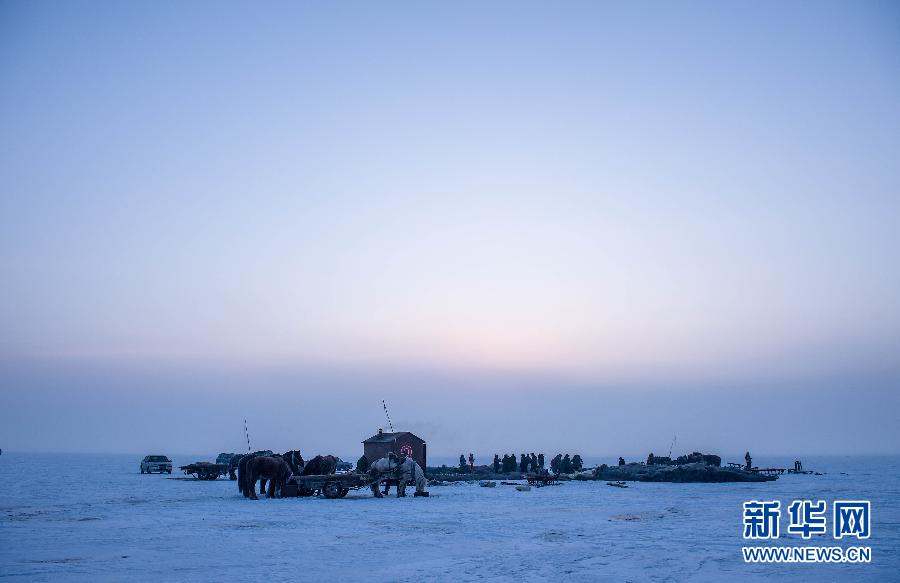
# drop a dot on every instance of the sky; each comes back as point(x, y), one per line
point(586, 226)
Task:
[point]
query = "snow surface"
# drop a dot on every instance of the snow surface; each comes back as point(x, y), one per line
point(97, 518)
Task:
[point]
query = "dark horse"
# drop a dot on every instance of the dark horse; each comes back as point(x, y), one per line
point(295, 460)
point(271, 468)
point(236, 460)
point(320, 465)
point(244, 485)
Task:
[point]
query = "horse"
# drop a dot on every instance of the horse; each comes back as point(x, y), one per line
point(320, 465)
point(271, 468)
point(244, 485)
point(295, 460)
point(317, 466)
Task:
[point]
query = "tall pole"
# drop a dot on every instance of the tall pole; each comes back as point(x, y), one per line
point(247, 435)
point(388, 415)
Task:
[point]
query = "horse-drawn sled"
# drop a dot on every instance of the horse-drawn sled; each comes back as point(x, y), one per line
point(288, 475)
point(329, 485)
point(205, 470)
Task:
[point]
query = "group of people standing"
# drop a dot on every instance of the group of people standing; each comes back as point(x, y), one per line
point(526, 463)
point(531, 463)
point(563, 464)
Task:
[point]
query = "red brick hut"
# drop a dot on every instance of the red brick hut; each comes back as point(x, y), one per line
point(402, 442)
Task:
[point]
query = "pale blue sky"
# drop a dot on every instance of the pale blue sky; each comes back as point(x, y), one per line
point(670, 199)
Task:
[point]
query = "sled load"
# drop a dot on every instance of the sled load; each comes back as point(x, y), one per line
point(205, 470)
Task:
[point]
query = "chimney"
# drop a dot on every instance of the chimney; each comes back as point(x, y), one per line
point(380, 431)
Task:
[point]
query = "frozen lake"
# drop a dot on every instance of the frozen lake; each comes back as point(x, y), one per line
point(94, 518)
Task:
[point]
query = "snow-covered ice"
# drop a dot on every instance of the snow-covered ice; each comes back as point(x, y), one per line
point(82, 517)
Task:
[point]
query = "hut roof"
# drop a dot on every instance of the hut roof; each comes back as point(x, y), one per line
point(389, 437)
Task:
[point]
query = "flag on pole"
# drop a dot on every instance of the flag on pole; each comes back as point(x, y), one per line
point(388, 415)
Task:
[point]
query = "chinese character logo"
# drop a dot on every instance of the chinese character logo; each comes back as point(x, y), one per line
point(761, 519)
point(852, 518)
point(807, 518)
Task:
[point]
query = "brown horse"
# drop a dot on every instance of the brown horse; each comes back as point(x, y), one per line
point(274, 469)
point(320, 465)
point(243, 474)
point(295, 460)
point(317, 466)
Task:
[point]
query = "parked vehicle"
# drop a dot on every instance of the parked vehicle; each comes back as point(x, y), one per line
point(156, 463)
point(225, 458)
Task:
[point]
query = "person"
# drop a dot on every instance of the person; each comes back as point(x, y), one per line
point(541, 461)
point(381, 468)
point(362, 464)
point(534, 464)
point(496, 464)
point(523, 464)
point(577, 463)
point(749, 461)
point(410, 471)
point(621, 461)
point(650, 459)
point(471, 462)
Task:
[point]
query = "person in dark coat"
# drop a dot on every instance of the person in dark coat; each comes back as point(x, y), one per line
point(541, 461)
point(496, 464)
point(534, 463)
point(577, 463)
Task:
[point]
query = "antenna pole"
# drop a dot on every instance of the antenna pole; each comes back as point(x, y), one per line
point(674, 439)
point(247, 435)
point(388, 415)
